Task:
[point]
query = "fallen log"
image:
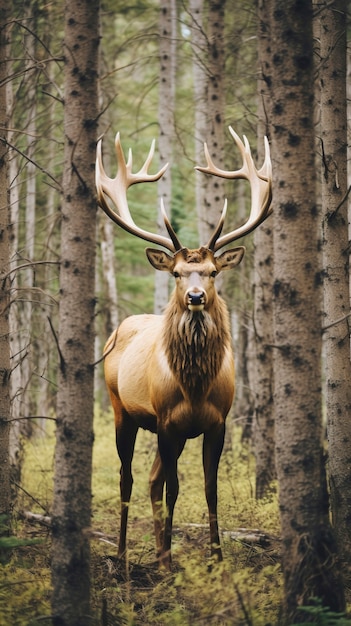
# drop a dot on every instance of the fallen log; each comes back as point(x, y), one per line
point(252, 537)
point(244, 535)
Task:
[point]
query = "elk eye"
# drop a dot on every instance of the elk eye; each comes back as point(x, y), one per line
point(176, 274)
point(214, 274)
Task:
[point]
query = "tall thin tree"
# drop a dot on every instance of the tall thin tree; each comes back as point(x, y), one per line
point(215, 92)
point(331, 18)
point(27, 365)
point(5, 492)
point(198, 47)
point(71, 515)
point(263, 422)
point(308, 547)
point(167, 52)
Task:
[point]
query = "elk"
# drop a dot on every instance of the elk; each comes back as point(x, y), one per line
point(173, 374)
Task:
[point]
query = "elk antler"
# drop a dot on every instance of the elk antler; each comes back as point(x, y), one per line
point(116, 190)
point(261, 191)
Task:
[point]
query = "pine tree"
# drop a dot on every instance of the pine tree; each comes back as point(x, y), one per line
point(71, 515)
point(309, 555)
point(331, 19)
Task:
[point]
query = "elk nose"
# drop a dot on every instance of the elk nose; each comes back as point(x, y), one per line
point(196, 300)
point(195, 297)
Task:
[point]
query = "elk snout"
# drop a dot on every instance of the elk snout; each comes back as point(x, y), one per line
point(195, 299)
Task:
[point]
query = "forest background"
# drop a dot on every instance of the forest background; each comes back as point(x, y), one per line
point(182, 73)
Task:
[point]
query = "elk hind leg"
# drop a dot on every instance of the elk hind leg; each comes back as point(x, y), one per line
point(126, 432)
point(157, 481)
point(212, 450)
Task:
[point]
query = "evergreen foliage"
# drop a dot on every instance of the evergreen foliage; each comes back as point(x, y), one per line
point(322, 615)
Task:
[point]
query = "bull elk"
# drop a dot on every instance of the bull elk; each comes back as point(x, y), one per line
point(173, 374)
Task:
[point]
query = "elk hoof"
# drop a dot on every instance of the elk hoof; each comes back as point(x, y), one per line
point(165, 561)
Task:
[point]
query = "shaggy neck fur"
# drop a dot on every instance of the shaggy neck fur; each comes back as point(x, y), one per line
point(195, 344)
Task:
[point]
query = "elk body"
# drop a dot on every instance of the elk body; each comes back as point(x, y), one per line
point(173, 374)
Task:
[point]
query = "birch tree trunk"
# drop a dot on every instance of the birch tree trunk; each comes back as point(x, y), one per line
point(263, 422)
point(336, 322)
point(16, 444)
point(27, 364)
point(5, 491)
point(308, 546)
point(74, 436)
point(168, 50)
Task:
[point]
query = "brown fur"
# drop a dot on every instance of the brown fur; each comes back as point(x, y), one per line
point(195, 344)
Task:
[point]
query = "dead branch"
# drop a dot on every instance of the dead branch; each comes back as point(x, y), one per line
point(36, 518)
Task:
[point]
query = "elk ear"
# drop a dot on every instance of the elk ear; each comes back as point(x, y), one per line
point(229, 258)
point(160, 260)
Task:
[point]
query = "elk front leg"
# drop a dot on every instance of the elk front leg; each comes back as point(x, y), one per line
point(157, 481)
point(169, 450)
point(126, 433)
point(212, 450)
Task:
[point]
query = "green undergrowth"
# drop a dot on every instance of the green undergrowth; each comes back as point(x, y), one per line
point(245, 589)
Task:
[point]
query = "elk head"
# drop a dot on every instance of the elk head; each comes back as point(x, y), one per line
point(183, 262)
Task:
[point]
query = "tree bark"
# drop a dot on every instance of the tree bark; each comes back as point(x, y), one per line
point(168, 49)
point(16, 443)
point(198, 46)
point(5, 491)
point(263, 422)
point(214, 186)
point(336, 322)
point(106, 232)
point(27, 364)
point(309, 554)
point(74, 437)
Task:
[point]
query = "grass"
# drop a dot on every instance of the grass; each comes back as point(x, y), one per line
point(243, 590)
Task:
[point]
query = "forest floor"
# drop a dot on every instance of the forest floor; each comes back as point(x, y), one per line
point(244, 590)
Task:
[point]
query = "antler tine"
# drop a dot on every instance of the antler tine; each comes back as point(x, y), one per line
point(116, 189)
point(129, 165)
point(170, 230)
point(266, 169)
point(261, 189)
point(149, 158)
point(219, 227)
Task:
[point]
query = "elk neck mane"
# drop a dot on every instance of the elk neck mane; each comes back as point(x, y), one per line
point(195, 344)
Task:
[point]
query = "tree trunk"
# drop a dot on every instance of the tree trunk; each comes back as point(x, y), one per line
point(16, 446)
point(46, 397)
point(198, 46)
point(27, 365)
point(106, 232)
point(309, 555)
point(168, 48)
point(263, 423)
point(214, 186)
point(336, 322)
point(107, 286)
point(5, 492)
point(74, 438)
